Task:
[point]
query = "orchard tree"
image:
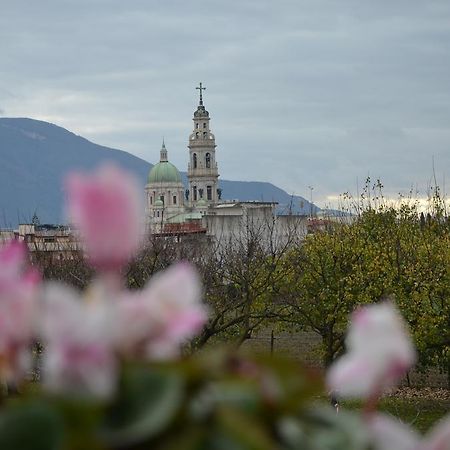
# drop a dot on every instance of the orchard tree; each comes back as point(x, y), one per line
point(385, 251)
point(243, 278)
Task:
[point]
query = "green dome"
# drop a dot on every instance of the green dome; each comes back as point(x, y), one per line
point(164, 172)
point(202, 203)
point(159, 202)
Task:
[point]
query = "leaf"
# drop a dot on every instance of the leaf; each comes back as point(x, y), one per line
point(189, 436)
point(248, 432)
point(149, 399)
point(330, 431)
point(31, 427)
point(291, 432)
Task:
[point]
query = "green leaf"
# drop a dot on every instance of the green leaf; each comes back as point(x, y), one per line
point(291, 432)
point(188, 436)
point(247, 432)
point(327, 430)
point(31, 427)
point(149, 399)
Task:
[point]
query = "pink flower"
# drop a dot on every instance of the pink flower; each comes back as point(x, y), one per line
point(380, 351)
point(106, 209)
point(439, 436)
point(78, 337)
point(164, 315)
point(388, 434)
point(18, 290)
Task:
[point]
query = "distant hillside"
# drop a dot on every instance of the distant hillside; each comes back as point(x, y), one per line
point(267, 192)
point(36, 155)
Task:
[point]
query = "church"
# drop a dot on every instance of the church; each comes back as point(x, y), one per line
point(173, 209)
point(168, 202)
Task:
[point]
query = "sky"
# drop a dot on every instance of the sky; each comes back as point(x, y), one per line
point(313, 96)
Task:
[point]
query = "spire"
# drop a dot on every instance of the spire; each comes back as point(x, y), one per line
point(201, 111)
point(163, 153)
point(200, 88)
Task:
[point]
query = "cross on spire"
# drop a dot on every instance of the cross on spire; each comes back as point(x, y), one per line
point(201, 89)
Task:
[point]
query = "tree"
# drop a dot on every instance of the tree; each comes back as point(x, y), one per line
point(242, 275)
point(385, 251)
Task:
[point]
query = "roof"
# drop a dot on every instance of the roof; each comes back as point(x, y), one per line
point(164, 172)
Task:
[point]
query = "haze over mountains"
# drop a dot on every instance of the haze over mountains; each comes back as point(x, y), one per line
point(36, 155)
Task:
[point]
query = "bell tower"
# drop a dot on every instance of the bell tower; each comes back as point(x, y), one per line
point(202, 168)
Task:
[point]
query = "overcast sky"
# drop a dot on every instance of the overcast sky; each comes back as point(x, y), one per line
point(301, 93)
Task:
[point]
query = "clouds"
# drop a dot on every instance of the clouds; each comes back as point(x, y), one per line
point(300, 92)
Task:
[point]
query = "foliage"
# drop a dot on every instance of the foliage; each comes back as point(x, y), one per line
point(112, 376)
point(423, 413)
point(241, 280)
point(387, 250)
point(210, 401)
point(253, 280)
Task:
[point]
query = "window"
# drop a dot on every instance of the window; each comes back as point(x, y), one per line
point(174, 200)
point(196, 125)
point(205, 134)
point(157, 213)
point(162, 198)
point(196, 135)
point(151, 200)
point(204, 124)
point(194, 193)
point(208, 160)
point(194, 160)
point(209, 192)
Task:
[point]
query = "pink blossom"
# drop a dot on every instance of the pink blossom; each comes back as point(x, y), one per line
point(18, 290)
point(439, 436)
point(78, 336)
point(380, 351)
point(387, 433)
point(165, 314)
point(106, 209)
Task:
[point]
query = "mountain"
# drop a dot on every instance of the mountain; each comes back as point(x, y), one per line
point(36, 155)
point(267, 192)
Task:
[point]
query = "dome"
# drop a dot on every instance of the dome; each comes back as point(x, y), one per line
point(202, 203)
point(159, 203)
point(201, 112)
point(164, 172)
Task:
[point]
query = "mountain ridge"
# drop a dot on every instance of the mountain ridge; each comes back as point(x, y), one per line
point(36, 155)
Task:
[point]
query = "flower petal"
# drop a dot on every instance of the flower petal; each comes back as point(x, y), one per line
point(380, 351)
point(106, 209)
point(389, 434)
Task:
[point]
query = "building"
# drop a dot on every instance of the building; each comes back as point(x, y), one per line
point(164, 191)
point(177, 211)
point(200, 210)
point(56, 242)
point(171, 207)
point(231, 220)
point(203, 174)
